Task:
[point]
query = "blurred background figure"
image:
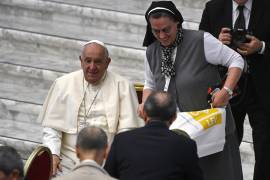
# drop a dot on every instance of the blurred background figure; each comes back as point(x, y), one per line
point(11, 164)
point(244, 26)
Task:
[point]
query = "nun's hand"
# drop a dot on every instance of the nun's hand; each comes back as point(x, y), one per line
point(220, 98)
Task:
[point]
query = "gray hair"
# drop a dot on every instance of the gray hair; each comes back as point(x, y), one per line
point(92, 138)
point(160, 106)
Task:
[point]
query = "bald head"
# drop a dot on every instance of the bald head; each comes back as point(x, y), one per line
point(91, 144)
point(160, 106)
point(91, 138)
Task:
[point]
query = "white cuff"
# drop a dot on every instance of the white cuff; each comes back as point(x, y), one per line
point(263, 48)
point(52, 139)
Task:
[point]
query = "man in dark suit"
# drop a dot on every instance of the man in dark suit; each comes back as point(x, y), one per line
point(153, 151)
point(222, 18)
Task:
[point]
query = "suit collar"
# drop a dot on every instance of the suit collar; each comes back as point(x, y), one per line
point(246, 11)
point(92, 164)
point(256, 12)
point(247, 5)
point(89, 160)
point(156, 123)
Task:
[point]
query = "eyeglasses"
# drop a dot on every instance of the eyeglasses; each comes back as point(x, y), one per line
point(166, 30)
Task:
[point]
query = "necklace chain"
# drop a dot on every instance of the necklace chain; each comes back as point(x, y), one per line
point(94, 99)
point(92, 103)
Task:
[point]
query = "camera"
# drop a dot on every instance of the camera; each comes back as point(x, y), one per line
point(239, 37)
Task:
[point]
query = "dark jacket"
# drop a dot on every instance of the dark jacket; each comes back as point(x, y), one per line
point(153, 152)
point(218, 14)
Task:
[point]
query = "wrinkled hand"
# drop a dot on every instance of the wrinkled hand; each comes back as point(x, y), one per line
point(56, 164)
point(225, 36)
point(252, 47)
point(220, 98)
point(140, 111)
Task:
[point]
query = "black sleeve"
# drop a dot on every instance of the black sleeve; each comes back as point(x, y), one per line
point(111, 161)
point(205, 22)
point(193, 171)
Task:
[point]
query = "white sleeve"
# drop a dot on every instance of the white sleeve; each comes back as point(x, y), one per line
point(148, 75)
point(52, 139)
point(263, 48)
point(219, 54)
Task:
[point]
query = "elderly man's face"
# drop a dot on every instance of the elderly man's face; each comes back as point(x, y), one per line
point(94, 62)
point(164, 30)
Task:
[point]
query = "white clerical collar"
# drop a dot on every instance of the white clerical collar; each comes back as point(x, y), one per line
point(247, 5)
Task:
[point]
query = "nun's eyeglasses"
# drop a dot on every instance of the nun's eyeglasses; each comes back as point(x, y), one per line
point(165, 30)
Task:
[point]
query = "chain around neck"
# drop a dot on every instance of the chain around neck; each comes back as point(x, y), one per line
point(87, 112)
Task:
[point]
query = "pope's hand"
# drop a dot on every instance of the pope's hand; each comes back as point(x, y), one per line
point(56, 164)
point(140, 111)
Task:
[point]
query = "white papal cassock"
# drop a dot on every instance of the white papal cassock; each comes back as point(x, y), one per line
point(72, 104)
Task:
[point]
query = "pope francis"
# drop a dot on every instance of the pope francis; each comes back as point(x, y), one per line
point(92, 96)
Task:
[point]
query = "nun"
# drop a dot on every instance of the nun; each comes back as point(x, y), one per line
point(184, 63)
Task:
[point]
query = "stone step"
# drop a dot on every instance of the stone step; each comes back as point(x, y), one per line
point(75, 22)
point(19, 126)
point(190, 9)
point(25, 84)
point(23, 146)
point(51, 53)
point(19, 111)
point(21, 131)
